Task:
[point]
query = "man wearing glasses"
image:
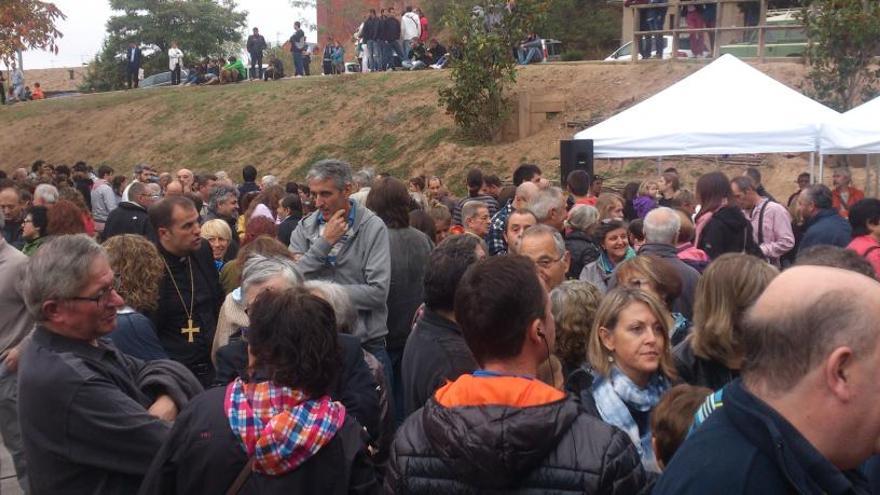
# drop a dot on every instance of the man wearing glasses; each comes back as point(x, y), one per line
point(131, 217)
point(544, 245)
point(95, 416)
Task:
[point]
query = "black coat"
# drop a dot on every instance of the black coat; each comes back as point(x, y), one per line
point(695, 370)
point(391, 28)
point(548, 448)
point(203, 455)
point(355, 387)
point(286, 228)
point(728, 231)
point(370, 32)
point(435, 352)
point(583, 252)
point(128, 218)
point(746, 447)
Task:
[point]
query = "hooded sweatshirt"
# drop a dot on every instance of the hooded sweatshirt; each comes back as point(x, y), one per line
point(727, 231)
point(509, 434)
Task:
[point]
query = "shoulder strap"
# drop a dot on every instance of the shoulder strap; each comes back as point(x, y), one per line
point(242, 477)
point(870, 250)
point(761, 223)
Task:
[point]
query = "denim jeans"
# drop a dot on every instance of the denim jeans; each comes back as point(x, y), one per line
point(9, 425)
point(375, 58)
point(298, 64)
point(393, 48)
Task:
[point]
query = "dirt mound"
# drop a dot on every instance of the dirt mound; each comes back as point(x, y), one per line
point(391, 121)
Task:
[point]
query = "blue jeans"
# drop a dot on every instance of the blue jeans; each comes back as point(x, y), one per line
point(298, 64)
point(375, 59)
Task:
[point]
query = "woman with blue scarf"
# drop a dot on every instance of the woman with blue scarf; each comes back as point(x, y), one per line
point(632, 364)
point(613, 241)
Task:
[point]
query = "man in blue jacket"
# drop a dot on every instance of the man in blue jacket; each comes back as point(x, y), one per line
point(803, 416)
point(823, 224)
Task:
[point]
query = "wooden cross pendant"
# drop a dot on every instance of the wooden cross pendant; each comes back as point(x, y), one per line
point(189, 330)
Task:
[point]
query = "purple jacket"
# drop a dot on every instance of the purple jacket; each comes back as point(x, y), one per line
point(644, 204)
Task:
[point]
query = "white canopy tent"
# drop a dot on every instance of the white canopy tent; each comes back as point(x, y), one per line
point(728, 107)
point(855, 132)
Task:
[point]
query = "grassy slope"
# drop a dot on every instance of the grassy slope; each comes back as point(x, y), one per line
point(390, 121)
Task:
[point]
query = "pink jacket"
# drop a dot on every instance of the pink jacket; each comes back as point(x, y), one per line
point(778, 236)
point(862, 244)
point(687, 252)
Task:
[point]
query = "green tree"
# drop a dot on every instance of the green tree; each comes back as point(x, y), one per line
point(591, 27)
point(202, 28)
point(485, 34)
point(28, 25)
point(844, 36)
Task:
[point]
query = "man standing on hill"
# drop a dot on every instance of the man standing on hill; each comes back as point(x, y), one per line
point(297, 47)
point(132, 64)
point(175, 63)
point(392, 41)
point(255, 46)
point(410, 27)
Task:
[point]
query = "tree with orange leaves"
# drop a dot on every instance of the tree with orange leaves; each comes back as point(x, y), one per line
point(28, 25)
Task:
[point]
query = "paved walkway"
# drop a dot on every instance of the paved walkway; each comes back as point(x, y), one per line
point(8, 482)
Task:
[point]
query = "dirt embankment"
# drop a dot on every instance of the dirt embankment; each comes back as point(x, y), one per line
point(390, 121)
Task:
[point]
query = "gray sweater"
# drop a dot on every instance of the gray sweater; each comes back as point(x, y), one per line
point(15, 321)
point(362, 266)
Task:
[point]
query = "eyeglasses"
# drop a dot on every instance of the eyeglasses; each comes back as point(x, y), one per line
point(102, 297)
point(546, 263)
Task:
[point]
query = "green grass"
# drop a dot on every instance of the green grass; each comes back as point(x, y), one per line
point(435, 138)
point(235, 131)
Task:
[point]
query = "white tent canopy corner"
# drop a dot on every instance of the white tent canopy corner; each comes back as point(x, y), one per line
point(727, 107)
point(855, 132)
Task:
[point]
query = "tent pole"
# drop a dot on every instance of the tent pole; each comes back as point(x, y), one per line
point(821, 167)
point(813, 167)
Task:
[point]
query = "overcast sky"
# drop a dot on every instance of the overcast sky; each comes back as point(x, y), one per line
point(85, 28)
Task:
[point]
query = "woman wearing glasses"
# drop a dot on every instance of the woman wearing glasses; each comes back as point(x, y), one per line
point(33, 229)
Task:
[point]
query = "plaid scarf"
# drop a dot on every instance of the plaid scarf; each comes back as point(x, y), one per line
point(278, 426)
point(614, 395)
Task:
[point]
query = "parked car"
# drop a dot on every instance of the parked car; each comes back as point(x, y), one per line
point(624, 53)
point(777, 42)
point(552, 50)
point(162, 79)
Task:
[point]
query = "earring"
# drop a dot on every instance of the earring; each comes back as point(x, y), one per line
point(610, 359)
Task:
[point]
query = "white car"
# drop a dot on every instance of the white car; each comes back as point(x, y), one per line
point(624, 53)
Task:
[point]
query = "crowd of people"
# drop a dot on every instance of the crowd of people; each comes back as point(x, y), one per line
point(359, 333)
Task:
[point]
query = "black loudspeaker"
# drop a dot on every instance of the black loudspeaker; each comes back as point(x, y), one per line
point(575, 155)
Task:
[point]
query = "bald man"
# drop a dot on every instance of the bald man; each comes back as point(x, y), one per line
point(185, 177)
point(524, 193)
point(803, 416)
point(175, 188)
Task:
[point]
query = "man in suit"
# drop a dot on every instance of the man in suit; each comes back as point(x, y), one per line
point(132, 64)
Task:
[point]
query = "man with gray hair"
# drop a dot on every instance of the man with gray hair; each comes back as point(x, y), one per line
point(268, 181)
point(822, 223)
point(223, 204)
point(803, 416)
point(498, 225)
point(771, 222)
point(475, 218)
point(15, 325)
point(344, 242)
point(362, 181)
point(844, 195)
point(545, 246)
point(131, 217)
point(45, 195)
point(661, 228)
point(549, 208)
point(95, 416)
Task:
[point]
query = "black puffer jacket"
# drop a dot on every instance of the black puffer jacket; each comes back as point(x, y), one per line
point(583, 252)
point(728, 231)
point(549, 448)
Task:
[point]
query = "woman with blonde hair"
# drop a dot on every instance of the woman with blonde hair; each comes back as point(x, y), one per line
point(712, 355)
point(658, 277)
point(646, 199)
point(610, 207)
point(219, 235)
point(632, 365)
point(138, 268)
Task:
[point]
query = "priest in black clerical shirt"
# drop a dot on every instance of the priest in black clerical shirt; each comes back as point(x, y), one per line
point(189, 294)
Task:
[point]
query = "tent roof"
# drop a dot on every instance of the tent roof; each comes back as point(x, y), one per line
point(856, 131)
point(727, 107)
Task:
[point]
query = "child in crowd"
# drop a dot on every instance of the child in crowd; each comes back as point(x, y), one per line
point(671, 419)
point(646, 199)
